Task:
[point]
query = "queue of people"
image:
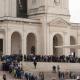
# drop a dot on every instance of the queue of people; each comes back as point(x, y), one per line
point(14, 67)
point(13, 64)
point(52, 58)
point(42, 58)
point(62, 75)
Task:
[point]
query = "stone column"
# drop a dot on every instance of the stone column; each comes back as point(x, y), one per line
point(48, 40)
point(14, 8)
point(2, 8)
point(67, 42)
point(51, 44)
point(7, 7)
point(24, 45)
point(44, 36)
point(23, 41)
point(9, 44)
point(10, 8)
point(8, 41)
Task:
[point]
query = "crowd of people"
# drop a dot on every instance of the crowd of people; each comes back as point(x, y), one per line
point(69, 75)
point(42, 58)
point(13, 65)
point(52, 58)
point(62, 75)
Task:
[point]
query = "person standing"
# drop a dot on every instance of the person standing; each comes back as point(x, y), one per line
point(58, 68)
point(35, 63)
point(4, 77)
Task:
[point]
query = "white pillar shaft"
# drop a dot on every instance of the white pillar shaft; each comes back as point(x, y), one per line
point(24, 46)
point(14, 8)
point(9, 45)
point(44, 36)
point(8, 42)
point(10, 7)
point(23, 41)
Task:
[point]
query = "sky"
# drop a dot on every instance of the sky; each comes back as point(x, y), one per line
point(74, 7)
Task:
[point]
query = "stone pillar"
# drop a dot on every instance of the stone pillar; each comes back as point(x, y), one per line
point(10, 8)
point(23, 41)
point(38, 44)
point(8, 42)
point(2, 9)
point(14, 8)
point(23, 45)
point(51, 44)
point(45, 36)
point(48, 40)
point(67, 42)
point(78, 42)
point(7, 7)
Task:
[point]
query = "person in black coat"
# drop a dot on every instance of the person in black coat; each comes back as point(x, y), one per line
point(35, 64)
point(4, 77)
point(34, 61)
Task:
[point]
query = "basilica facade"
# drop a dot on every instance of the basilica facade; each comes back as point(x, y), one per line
point(40, 27)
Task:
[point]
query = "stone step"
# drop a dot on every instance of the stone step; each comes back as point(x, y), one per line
point(47, 66)
point(50, 76)
point(47, 75)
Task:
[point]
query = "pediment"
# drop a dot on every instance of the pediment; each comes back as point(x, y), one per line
point(59, 22)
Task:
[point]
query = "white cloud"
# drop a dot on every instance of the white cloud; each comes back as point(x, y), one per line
point(74, 6)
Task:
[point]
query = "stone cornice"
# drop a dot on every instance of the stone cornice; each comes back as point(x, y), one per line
point(38, 10)
point(19, 20)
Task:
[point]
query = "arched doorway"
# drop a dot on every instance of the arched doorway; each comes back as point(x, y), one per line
point(57, 41)
point(1, 47)
point(31, 44)
point(16, 43)
point(72, 42)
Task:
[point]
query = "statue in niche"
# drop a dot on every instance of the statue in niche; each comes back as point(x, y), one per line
point(20, 3)
point(22, 8)
point(57, 2)
point(33, 50)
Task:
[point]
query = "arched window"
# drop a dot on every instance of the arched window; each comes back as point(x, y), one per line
point(31, 43)
point(72, 42)
point(16, 43)
point(57, 41)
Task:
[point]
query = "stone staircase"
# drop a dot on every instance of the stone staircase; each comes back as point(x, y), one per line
point(50, 76)
point(47, 75)
point(47, 66)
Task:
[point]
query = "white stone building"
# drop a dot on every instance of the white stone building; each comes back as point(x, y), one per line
point(47, 25)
